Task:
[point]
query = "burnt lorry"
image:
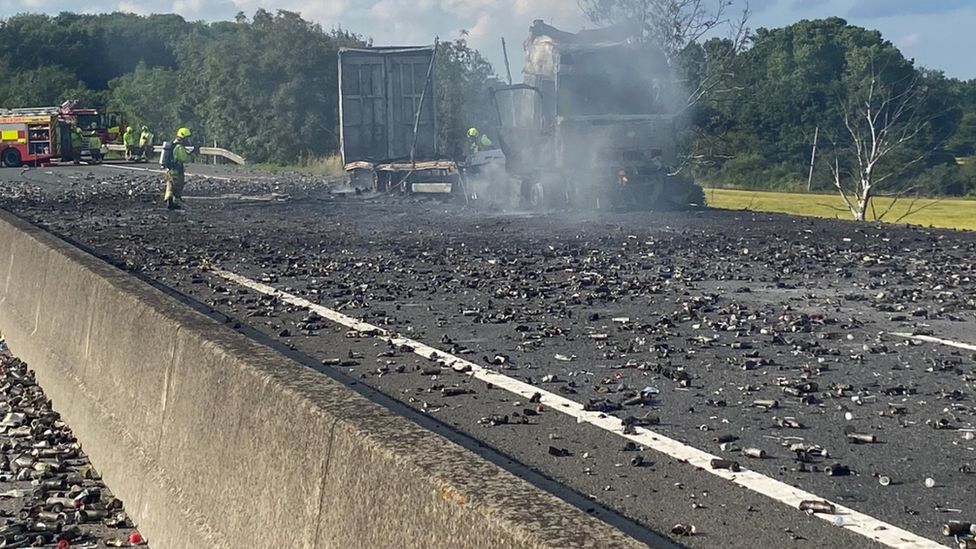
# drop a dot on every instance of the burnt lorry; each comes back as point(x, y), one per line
point(594, 125)
point(388, 120)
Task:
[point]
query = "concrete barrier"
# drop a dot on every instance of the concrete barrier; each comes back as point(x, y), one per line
point(213, 440)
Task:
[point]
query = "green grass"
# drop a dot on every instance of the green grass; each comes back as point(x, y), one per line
point(330, 165)
point(947, 213)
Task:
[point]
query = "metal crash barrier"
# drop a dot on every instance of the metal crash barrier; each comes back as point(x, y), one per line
point(207, 151)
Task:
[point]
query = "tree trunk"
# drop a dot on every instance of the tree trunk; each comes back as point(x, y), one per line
point(862, 207)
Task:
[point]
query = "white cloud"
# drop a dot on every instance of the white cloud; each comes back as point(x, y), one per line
point(547, 9)
point(481, 28)
point(488, 20)
point(323, 11)
point(467, 8)
point(399, 9)
point(912, 39)
point(187, 7)
point(132, 7)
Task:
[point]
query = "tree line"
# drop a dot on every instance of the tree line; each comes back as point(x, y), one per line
point(761, 105)
point(265, 86)
point(814, 82)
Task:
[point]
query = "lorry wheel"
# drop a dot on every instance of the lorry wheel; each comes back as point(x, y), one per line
point(654, 198)
point(537, 197)
point(10, 158)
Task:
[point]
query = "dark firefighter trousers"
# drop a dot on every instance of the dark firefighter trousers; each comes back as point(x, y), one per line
point(175, 181)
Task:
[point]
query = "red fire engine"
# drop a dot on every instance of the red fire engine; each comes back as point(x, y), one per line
point(108, 125)
point(37, 135)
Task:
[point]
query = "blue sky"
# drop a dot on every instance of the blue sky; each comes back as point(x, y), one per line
point(939, 34)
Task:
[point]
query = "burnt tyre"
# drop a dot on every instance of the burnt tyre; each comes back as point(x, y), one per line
point(682, 194)
point(579, 194)
point(533, 195)
point(638, 196)
point(10, 158)
point(537, 197)
point(664, 193)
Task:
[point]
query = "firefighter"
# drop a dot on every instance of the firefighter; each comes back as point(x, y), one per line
point(129, 140)
point(477, 141)
point(145, 144)
point(174, 158)
point(95, 147)
point(76, 143)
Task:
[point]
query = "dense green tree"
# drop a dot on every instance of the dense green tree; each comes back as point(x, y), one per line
point(265, 88)
point(97, 48)
point(798, 79)
point(464, 77)
point(962, 142)
point(147, 95)
point(46, 85)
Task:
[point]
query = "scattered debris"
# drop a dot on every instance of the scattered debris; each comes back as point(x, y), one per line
point(837, 470)
point(726, 464)
point(755, 453)
point(812, 507)
point(773, 328)
point(559, 452)
point(61, 499)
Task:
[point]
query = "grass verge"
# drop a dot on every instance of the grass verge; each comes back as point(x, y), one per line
point(951, 213)
point(326, 165)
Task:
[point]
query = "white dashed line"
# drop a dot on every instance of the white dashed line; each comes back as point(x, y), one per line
point(131, 168)
point(930, 339)
point(867, 526)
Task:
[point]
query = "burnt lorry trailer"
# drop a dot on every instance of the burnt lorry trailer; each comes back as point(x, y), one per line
point(594, 124)
point(388, 120)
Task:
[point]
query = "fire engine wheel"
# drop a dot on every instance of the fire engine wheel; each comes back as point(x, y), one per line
point(10, 158)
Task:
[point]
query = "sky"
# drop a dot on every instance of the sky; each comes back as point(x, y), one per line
point(938, 34)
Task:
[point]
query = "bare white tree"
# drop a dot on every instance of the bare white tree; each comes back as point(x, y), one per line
point(880, 121)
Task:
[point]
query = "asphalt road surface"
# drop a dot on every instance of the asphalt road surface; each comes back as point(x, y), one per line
point(669, 334)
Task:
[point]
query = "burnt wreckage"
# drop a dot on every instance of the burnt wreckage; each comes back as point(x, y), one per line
point(594, 124)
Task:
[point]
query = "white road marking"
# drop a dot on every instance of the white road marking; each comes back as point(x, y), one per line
point(132, 168)
point(856, 522)
point(137, 169)
point(930, 339)
point(242, 197)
